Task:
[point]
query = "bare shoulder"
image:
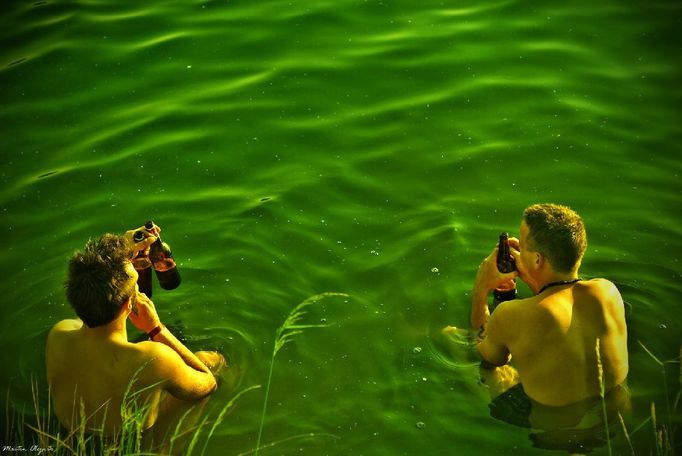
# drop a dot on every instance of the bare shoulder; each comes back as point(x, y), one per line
point(153, 350)
point(510, 314)
point(67, 325)
point(59, 344)
point(600, 289)
point(516, 307)
point(597, 284)
point(64, 327)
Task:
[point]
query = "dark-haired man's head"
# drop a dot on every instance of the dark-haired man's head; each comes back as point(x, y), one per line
point(558, 233)
point(100, 280)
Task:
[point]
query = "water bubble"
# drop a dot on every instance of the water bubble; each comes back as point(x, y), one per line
point(434, 269)
point(420, 425)
point(417, 350)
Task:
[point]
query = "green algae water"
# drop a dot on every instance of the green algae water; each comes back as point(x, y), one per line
point(374, 148)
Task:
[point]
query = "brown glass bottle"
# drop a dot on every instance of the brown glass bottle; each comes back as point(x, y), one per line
point(162, 260)
point(505, 264)
point(143, 266)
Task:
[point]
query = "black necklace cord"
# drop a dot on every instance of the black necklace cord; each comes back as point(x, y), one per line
point(559, 282)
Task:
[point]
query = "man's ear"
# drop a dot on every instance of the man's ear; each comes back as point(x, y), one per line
point(539, 261)
point(127, 305)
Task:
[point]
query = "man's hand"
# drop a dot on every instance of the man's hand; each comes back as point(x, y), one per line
point(142, 245)
point(489, 277)
point(515, 251)
point(144, 316)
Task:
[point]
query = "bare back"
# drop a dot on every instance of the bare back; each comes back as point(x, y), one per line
point(552, 338)
point(98, 373)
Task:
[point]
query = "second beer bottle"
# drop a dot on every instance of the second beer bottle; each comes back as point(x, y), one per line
point(505, 264)
point(162, 260)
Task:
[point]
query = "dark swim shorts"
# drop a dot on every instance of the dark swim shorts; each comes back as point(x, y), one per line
point(513, 407)
point(576, 428)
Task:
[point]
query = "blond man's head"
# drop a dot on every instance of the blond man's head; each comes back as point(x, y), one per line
point(558, 233)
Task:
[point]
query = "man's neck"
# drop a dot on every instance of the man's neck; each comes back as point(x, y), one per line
point(114, 331)
point(555, 278)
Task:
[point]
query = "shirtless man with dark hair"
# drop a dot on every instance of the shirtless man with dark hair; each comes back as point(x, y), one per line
point(91, 363)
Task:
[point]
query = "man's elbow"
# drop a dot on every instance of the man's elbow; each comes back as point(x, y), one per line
point(213, 385)
point(196, 390)
point(209, 387)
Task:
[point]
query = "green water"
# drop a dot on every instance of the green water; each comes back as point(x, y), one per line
point(374, 148)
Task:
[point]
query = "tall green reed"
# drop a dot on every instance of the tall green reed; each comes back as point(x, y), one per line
point(662, 432)
point(285, 334)
point(600, 374)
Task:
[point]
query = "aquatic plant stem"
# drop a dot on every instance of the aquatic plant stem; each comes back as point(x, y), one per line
point(265, 402)
point(600, 371)
point(625, 432)
point(289, 439)
point(664, 432)
point(283, 335)
point(221, 415)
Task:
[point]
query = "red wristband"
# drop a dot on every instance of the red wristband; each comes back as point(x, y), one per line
point(154, 332)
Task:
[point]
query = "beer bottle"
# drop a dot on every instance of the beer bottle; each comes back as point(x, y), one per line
point(143, 266)
point(505, 264)
point(162, 260)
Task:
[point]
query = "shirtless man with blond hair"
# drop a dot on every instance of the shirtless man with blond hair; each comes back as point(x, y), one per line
point(91, 363)
point(550, 337)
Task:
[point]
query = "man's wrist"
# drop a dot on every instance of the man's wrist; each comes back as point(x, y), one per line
point(155, 331)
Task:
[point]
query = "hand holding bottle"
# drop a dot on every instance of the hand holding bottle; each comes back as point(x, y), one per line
point(515, 251)
point(139, 246)
point(505, 264)
point(489, 277)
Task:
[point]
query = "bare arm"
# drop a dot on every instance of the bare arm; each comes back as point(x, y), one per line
point(186, 376)
point(487, 279)
point(491, 346)
point(190, 359)
point(180, 379)
point(479, 311)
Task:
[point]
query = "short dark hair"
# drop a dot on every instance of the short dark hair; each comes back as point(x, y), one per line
point(98, 283)
point(557, 232)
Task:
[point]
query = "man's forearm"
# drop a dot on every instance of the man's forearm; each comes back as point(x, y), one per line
point(167, 338)
point(479, 308)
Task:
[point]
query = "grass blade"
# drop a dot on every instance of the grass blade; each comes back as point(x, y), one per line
point(284, 334)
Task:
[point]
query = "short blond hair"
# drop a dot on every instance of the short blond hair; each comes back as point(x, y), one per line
point(558, 233)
